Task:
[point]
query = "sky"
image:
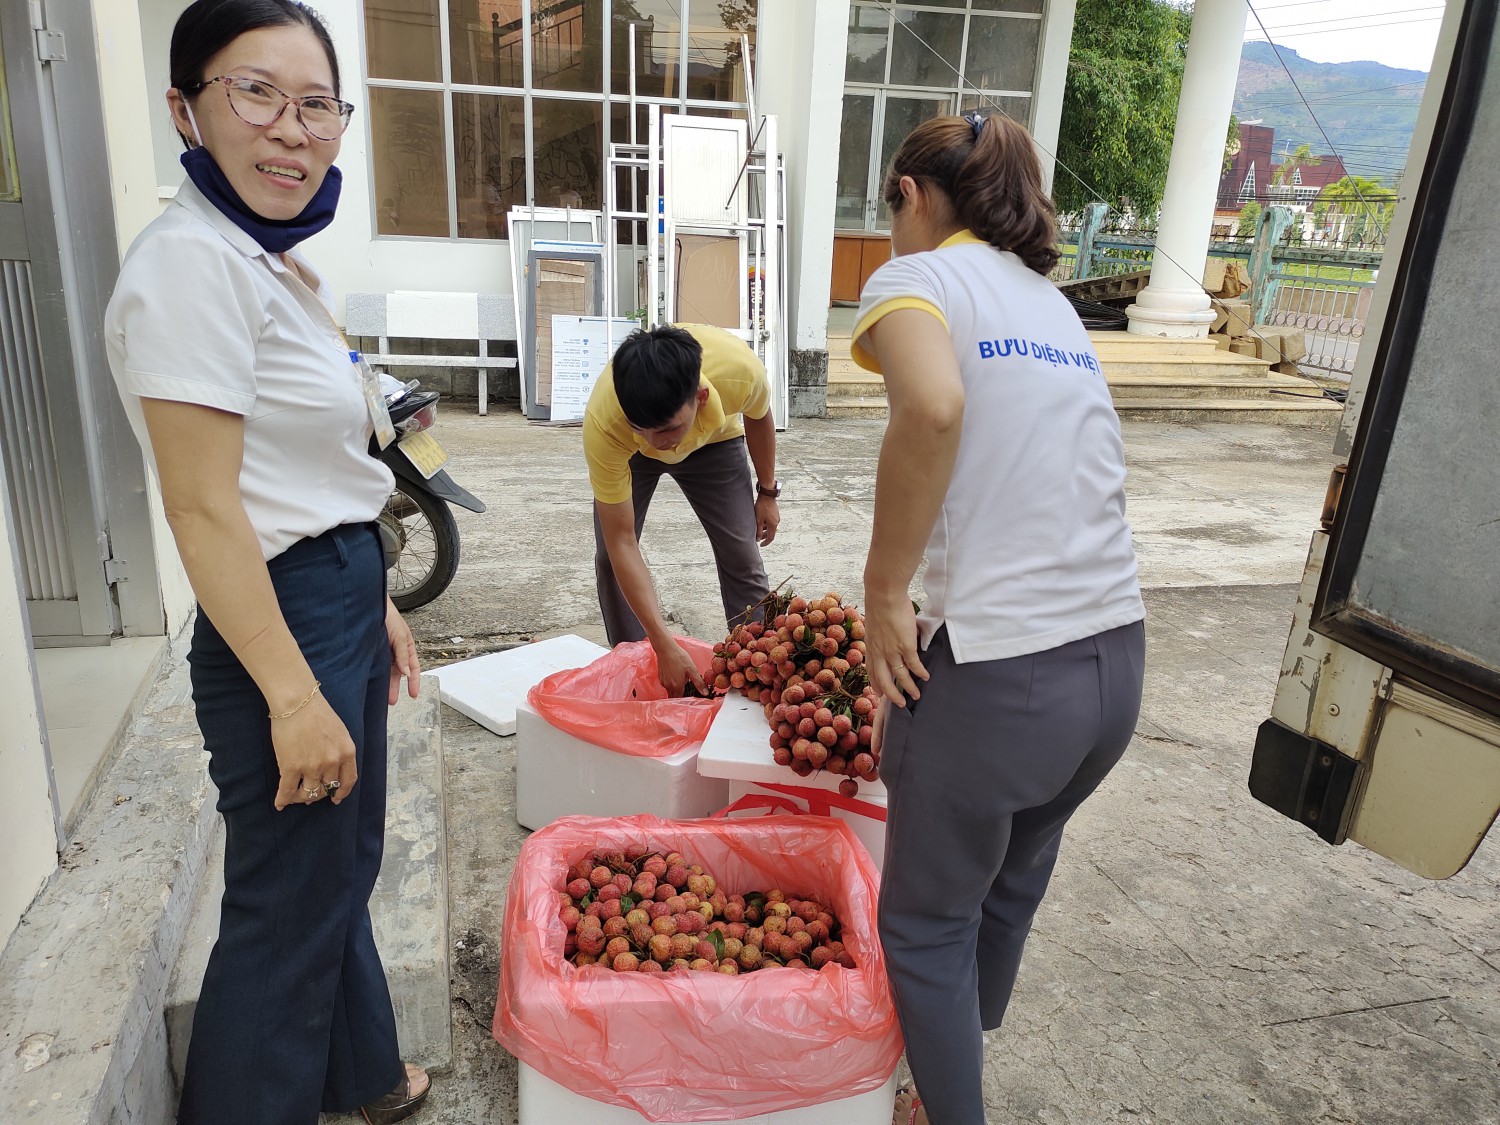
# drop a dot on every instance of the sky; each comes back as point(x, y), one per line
point(1399, 33)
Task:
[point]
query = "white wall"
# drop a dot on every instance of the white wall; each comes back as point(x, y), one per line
point(800, 73)
point(1052, 77)
point(28, 827)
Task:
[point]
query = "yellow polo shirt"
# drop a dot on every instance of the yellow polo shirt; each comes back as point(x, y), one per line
point(737, 386)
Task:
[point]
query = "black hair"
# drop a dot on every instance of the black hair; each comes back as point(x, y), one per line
point(656, 374)
point(987, 170)
point(208, 26)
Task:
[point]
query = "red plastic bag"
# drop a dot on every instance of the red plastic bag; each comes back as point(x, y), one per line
point(700, 1046)
point(618, 703)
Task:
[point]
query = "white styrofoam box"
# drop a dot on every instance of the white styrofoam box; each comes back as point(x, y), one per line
point(870, 830)
point(488, 688)
point(560, 775)
point(738, 747)
point(545, 1102)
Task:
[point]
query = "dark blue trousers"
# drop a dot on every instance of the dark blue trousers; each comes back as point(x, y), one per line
point(294, 1016)
point(982, 774)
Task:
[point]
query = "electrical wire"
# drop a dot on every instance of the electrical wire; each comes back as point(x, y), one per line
point(1059, 162)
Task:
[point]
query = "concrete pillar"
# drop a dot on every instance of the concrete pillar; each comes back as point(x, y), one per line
point(1051, 79)
point(1174, 303)
point(800, 66)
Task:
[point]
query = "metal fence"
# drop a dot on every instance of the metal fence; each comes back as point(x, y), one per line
point(1322, 287)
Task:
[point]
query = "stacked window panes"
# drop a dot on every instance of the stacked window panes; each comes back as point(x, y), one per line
point(909, 62)
point(477, 106)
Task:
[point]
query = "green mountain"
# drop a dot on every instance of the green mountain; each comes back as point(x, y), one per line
point(1367, 109)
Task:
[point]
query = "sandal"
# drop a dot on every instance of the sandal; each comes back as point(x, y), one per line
point(916, 1103)
point(400, 1103)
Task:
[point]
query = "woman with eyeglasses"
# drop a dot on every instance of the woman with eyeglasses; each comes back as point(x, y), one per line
point(258, 420)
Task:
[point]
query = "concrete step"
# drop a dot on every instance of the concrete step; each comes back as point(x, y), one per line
point(1142, 385)
point(1283, 410)
point(857, 383)
point(409, 908)
point(1126, 344)
point(857, 406)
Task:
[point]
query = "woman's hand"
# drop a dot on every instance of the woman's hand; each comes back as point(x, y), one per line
point(404, 660)
point(313, 748)
point(891, 648)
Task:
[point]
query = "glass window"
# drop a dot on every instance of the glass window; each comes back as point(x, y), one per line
point(568, 153)
point(926, 49)
point(869, 36)
point(1016, 108)
point(402, 40)
point(423, 189)
point(411, 172)
point(715, 70)
point(567, 46)
point(484, 41)
point(489, 161)
point(1025, 7)
point(854, 159)
point(1002, 53)
point(10, 187)
point(658, 47)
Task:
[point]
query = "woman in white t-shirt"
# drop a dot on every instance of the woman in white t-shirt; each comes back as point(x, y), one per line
point(256, 417)
point(1015, 689)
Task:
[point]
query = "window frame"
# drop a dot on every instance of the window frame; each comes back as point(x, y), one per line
point(605, 98)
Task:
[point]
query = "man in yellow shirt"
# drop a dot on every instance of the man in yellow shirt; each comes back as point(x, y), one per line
point(687, 403)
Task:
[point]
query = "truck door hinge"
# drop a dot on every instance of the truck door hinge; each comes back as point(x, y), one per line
point(51, 46)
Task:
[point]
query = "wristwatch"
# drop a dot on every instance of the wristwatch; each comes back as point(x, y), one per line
point(773, 492)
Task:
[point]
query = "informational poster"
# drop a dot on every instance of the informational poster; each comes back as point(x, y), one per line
point(581, 346)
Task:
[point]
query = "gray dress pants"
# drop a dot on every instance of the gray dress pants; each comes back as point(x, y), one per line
point(982, 774)
point(717, 483)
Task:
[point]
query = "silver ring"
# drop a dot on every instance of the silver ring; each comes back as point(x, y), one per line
point(331, 787)
point(313, 794)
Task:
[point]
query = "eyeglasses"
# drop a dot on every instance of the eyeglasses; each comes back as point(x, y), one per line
point(259, 103)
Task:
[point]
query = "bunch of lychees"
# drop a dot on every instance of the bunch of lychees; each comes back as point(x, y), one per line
point(804, 663)
point(650, 912)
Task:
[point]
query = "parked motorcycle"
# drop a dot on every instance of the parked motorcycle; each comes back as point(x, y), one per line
point(417, 525)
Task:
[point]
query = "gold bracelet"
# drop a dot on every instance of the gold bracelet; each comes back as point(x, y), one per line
point(308, 698)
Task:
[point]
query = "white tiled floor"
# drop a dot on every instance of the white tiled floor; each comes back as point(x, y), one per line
point(87, 695)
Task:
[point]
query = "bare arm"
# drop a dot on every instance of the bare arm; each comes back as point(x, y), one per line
point(760, 440)
point(198, 454)
point(926, 395)
point(674, 666)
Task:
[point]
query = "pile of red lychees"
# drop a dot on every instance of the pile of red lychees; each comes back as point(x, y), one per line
point(653, 912)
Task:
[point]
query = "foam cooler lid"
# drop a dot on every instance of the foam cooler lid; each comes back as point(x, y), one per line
point(738, 747)
point(488, 688)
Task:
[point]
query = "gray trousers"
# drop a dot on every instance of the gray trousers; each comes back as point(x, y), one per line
point(982, 774)
point(717, 483)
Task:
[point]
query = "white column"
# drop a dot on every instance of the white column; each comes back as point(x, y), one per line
point(800, 65)
point(1174, 303)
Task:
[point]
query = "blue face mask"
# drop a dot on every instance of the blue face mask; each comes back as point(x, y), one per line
point(276, 236)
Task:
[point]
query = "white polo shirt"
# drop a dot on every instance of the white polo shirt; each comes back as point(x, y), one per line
point(202, 314)
point(1031, 549)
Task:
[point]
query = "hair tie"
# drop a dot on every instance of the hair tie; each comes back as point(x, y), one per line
point(976, 122)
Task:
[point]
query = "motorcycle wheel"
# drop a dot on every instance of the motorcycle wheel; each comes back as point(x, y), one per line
point(427, 546)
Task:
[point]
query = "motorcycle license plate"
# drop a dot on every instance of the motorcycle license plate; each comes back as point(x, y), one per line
point(424, 451)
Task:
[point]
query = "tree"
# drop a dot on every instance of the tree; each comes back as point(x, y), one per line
point(1249, 219)
point(1365, 206)
point(1120, 103)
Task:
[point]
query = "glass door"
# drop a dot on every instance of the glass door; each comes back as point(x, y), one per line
point(875, 123)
